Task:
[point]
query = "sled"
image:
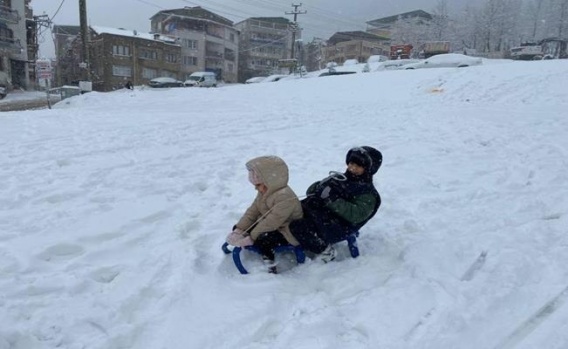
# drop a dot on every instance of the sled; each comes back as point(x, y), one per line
point(298, 251)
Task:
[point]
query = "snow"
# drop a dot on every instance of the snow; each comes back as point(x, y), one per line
point(132, 34)
point(113, 208)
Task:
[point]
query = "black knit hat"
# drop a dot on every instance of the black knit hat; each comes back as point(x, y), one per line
point(367, 157)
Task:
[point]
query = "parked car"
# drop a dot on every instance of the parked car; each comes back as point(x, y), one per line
point(4, 84)
point(446, 60)
point(527, 52)
point(395, 64)
point(330, 73)
point(377, 58)
point(349, 62)
point(165, 82)
point(255, 79)
point(273, 78)
point(201, 79)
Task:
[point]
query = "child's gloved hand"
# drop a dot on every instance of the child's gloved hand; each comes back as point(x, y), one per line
point(237, 239)
point(238, 231)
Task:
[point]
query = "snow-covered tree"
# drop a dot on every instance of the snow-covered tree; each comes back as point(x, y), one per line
point(440, 24)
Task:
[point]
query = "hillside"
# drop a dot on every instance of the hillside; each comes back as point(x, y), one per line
point(113, 208)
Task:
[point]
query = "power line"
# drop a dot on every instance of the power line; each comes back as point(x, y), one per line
point(151, 4)
point(59, 8)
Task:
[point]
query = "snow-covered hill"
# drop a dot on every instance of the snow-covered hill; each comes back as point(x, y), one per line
point(113, 208)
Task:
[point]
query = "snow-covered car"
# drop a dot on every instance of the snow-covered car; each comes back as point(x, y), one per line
point(165, 82)
point(377, 59)
point(333, 72)
point(350, 62)
point(445, 60)
point(395, 64)
point(273, 78)
point(255, 79)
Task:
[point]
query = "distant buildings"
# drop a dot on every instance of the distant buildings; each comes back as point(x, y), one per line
point(185, 40)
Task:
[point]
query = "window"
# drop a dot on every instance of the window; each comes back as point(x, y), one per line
point(148, 73)
point(171, 58)
point(189, 60)
point(232, 37)
point(121, 70)
point(230, 67)
point(191, 44)
point(148, 54)
point(119, 50)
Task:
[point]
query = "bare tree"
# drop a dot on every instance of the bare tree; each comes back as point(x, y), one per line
point(534, 14)
point(440, 25)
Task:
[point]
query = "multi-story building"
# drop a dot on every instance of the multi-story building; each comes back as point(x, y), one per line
point(14, 15)
point(209, 42)
point(264, 42)
point(116, 56)
point(383, 26)
point(358, 45)
point(120, 55)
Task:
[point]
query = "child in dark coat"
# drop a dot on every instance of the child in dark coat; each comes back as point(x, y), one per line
point(339, 204)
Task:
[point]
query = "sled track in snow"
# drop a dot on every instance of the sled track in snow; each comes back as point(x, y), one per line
point(534, 321)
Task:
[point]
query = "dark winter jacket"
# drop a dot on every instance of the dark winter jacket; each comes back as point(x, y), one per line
point(354, 200)
point(335, 207)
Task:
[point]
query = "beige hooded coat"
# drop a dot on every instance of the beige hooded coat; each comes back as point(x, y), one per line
point(275, 209)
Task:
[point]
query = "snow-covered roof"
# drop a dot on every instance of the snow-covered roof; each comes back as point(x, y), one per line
point(133, 33)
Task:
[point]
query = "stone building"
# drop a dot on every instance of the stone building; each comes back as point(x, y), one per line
point(383, 26)
point(358, 45)
point(263, 43)
point(209, 42)
point(116, 56)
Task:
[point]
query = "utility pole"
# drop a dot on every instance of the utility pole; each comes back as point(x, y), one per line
point(295, 25)
point(84, 37)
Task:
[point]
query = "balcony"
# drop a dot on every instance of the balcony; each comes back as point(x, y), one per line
point(8, 15)
point(213, 55)
point(9, 45)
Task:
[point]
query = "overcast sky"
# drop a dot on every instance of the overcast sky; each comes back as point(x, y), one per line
point(323, 17)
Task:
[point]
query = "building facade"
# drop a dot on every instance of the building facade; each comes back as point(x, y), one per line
point(120, 55)
point(209, 42)
point(263, 43)
point(15, 17)
point(116, 56)
point(358, 45)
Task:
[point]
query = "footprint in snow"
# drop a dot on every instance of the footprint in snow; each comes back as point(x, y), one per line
point(61, 252)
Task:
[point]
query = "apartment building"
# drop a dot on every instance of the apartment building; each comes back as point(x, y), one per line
point(121, 55)
point(117, 55)
point(16, 25)
point(358, 45)
point(263, 43)
point(209, 42)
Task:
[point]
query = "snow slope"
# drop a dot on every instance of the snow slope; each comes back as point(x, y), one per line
point(113, 208)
